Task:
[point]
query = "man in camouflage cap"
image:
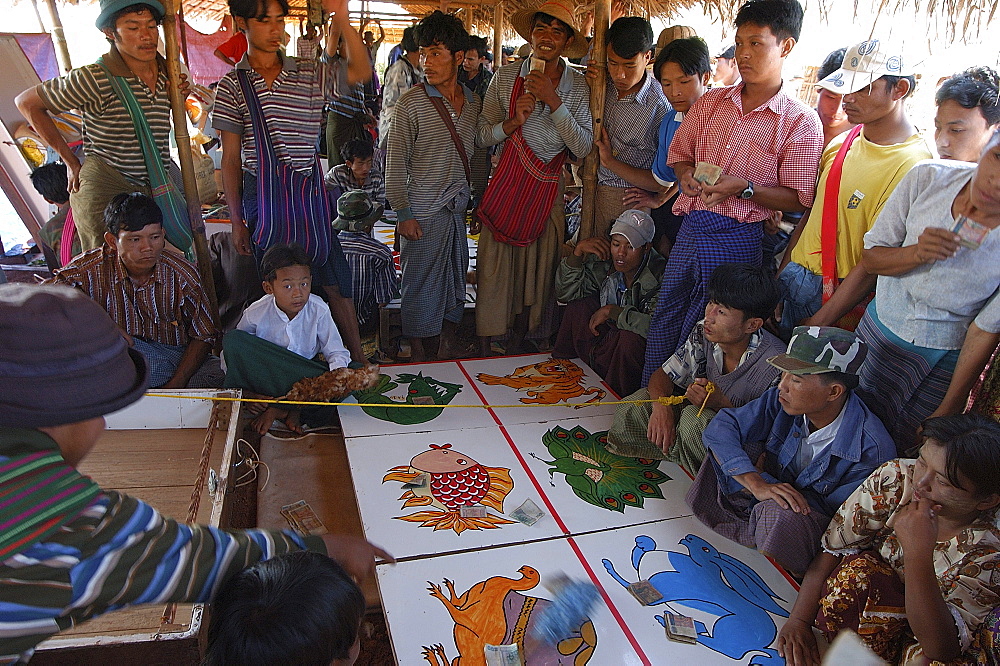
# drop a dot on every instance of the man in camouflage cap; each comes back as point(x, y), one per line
point(782, 465)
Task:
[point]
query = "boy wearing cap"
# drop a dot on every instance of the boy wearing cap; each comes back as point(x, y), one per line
point(114, 156)
point(610, 288)
point(782, 464)
point(726, 72)
point(277, 339)
point(71, 550)
point(373, 270)
point(634, 107)
point(858, 172)
point(766, 146)
point(728, 348)
point(542, 125)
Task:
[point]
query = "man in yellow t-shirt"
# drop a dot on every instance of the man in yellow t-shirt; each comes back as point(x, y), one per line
point(875, 81)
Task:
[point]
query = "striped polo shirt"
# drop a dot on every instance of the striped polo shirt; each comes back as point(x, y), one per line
point(107, 128)
point(545, 131)
point(633, 125)
point(292, 106)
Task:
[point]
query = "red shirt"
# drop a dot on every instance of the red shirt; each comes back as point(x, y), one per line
point(235, 47)
point(778, 143)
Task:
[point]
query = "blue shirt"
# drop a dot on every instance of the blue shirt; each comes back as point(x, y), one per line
point(663, 174)
point(861, 445)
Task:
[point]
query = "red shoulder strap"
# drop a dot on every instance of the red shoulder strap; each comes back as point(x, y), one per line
point(831, 195)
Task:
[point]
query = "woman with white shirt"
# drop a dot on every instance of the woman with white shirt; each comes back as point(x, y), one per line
point(935, 319)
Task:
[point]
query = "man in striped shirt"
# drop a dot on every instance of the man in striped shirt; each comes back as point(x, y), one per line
point(767, 145)
point(114, 158)
point(634, 107)
point(155, 297)
point(70, 550)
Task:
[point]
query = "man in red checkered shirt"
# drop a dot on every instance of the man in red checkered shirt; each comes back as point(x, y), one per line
point(767, 144)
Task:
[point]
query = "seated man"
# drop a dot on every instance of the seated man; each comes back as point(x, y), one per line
point(782, 464)
point(727, 348)
point(357, 172)
point(299, 608)
point(155, 297)
point(373, 271)
point(70, 549)
point(610, 288)
point(279, 336)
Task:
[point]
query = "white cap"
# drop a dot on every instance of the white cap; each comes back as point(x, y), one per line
point(636, 226)
point(863, 63)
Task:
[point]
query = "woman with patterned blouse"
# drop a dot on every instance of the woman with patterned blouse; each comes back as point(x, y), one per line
point(938, 514)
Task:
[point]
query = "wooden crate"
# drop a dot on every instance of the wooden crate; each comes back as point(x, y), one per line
point(152, 450)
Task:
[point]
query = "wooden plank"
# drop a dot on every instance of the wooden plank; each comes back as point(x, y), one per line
point(315, 469)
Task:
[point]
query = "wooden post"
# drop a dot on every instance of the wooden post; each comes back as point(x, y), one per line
point(58, 37)
point(179, 115)
point(497, 36)
point(467, 18)
point(444, 6)
point(589, 225)
point(184, 34)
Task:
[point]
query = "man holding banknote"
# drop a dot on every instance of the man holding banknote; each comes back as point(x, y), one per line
point(741, 152)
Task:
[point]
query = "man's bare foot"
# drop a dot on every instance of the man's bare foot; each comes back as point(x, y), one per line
point(417, 352)
point(450, 349)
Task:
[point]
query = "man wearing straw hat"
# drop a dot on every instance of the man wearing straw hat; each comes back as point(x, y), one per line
point(125, 103)
point(538, 111)
point(70, 550)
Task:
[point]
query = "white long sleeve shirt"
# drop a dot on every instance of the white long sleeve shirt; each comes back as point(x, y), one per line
point(311, 330)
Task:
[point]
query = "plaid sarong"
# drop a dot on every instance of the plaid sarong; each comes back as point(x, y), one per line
point(900, 382)
point(706, 240)
point(518, 200)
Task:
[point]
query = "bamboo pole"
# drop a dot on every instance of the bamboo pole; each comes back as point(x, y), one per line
point(588, 223)
point(179, 115)
point(497, 36)
point(58, 37)
point(184, 34)
point(467, 19)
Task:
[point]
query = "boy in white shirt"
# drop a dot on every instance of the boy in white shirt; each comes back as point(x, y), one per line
point(279, 336)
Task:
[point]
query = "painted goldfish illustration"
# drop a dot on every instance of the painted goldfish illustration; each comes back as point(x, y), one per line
point(453, 480)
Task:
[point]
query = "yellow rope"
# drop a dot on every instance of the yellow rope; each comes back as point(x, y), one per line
point(666, 400)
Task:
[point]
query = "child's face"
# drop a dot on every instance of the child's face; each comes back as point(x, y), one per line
point(290, 288)
point(360, 168)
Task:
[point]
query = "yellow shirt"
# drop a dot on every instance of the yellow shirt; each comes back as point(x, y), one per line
point(870, 174)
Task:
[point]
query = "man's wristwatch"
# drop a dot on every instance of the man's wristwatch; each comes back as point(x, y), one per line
point(748, 192)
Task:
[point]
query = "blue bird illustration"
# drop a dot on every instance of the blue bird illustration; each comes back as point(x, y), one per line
point(720, 585)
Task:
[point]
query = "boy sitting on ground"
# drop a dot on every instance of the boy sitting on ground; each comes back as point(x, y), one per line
point(277, 340)
point(727, 348)
point(299, 609)
point(782, 464)
point(357, 172)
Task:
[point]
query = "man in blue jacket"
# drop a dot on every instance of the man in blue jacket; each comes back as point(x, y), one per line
point(782, 465)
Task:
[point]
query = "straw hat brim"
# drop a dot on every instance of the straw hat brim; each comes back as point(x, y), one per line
point(523, 21)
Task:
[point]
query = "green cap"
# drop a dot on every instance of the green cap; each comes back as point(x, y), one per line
point(109, 7)
point(356, 211)
point(817, 349)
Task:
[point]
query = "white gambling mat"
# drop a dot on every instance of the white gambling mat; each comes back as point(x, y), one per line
point(462, 467)
point(588, 488)
point(444, 610)
point(543, 384)
point(740, 598)
point(429, 385)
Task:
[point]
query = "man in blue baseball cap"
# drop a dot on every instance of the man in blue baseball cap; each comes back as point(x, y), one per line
point(125, 104)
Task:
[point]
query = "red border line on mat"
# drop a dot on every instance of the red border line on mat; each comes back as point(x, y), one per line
point(607, 600)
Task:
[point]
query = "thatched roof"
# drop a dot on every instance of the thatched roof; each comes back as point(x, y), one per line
point(955, 19)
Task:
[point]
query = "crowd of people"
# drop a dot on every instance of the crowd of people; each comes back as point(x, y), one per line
point(817, 288)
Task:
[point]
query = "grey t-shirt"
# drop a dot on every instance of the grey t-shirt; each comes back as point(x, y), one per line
point(933, 305)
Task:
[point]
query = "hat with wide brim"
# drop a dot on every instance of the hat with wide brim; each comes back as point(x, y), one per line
point(62, 358)
point(523, 21)
point(109, 7)
point(355, 209)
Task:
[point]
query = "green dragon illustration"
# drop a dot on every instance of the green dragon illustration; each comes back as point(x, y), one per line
point(422, 391)
point(598, 476)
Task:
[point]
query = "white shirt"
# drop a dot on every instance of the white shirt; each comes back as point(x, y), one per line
point(816, 443)
point(311, 330)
